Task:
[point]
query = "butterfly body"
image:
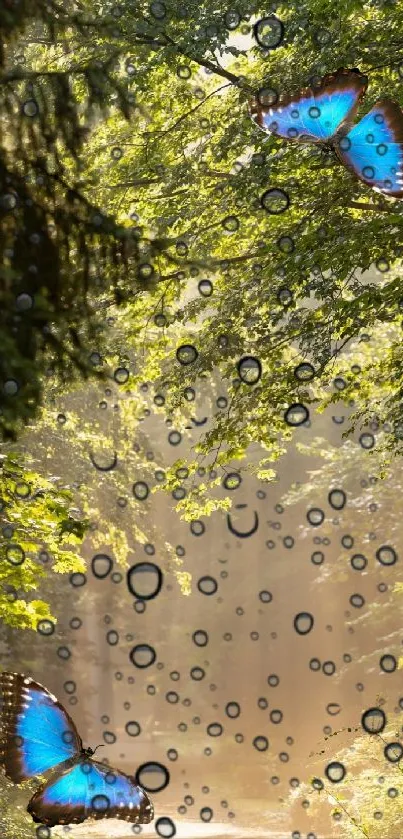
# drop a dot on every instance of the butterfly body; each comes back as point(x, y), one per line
point(39, 738)
point(372, 149)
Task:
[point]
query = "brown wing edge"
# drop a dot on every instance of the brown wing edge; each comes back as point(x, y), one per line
point(52, 815)
point(394, 116)
point(12, 689)
point(328, 84)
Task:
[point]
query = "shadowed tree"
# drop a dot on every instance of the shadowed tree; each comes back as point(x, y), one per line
point(55, 244)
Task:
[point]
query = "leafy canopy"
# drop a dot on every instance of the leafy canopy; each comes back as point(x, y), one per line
point(133, 224)
point(288, 286)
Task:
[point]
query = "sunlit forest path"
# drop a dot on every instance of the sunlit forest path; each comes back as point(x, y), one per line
point(228, 690)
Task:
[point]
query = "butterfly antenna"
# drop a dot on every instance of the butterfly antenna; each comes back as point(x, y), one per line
point(98, 747)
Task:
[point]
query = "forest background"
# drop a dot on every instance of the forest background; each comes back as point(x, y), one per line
point(137, 253)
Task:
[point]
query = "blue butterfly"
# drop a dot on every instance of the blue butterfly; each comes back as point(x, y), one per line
point(372, 149)
point(37, 736)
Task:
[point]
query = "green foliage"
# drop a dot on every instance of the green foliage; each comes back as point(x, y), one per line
point(172, 170)
point(365, 802)
point(193, 168)
point(15, 822)
point(182, 172)
point(180, 169)
point(90, 436)
point(39, 529)
point(54, 242)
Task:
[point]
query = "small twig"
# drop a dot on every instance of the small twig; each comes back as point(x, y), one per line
point(374, 207)
point(352, 820)
point(138, 182)
point(192, 110)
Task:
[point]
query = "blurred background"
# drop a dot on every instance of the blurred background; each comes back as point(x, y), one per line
point(225, 672)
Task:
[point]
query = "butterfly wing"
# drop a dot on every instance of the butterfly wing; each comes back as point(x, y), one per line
point(373, 149)
point(314, 114)
point(90, 790)
point(36, 732)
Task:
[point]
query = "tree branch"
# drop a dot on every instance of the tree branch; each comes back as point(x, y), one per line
point(209, 65)
point(192, 111)
point(373, 207)
point(138, 182)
